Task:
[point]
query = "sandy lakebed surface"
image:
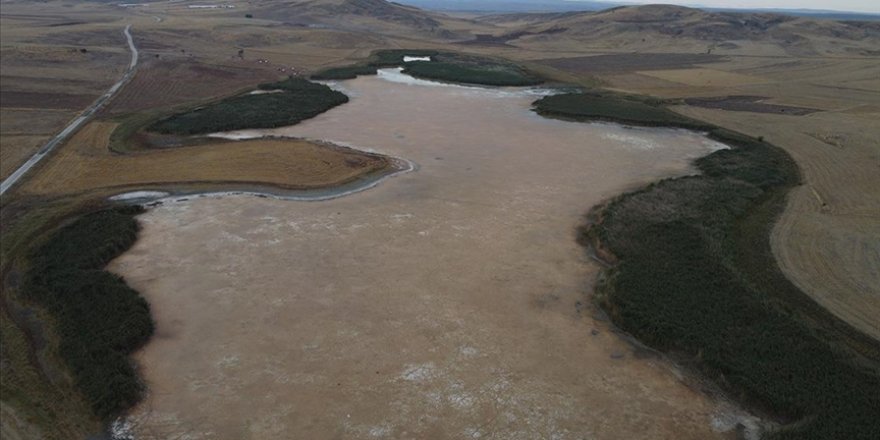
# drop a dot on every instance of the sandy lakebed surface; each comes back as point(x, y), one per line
point(448, 302)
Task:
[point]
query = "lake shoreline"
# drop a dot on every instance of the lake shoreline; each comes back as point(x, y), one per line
point(812, 326)
point(479, 188)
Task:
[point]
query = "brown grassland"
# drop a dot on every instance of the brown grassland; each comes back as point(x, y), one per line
point(86, 163)
point(59, 56)
point(47, 78)
point(160, 83)
point(25, 130)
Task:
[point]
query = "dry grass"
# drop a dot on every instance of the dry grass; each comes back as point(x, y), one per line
point(630, 62)
point(22, 121)
point(702, 77)
point(30, 403)
point(85, 163)
point(48, 77)
point(22, 131)
point(187, 56)
point(42, 65)
point(15, 150)
point(163, 83)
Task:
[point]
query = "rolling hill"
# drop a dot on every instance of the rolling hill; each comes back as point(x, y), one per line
point(651, 27)
point(377, 16)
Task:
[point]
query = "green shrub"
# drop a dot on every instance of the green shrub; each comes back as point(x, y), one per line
point(483, 74)
point(696, 277)
point(445, 66)
point(298, 100)
point(394, 57)
point(341, 73)
point(98, 318)
point(585, 107)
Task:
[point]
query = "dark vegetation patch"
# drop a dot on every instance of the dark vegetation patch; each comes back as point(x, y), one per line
point(630, 62)
point(444, 66)
point(98, 318)
point(748, 104)
point(693, 275)
point(298, 99)
point(394, 57)
point(31, 382)
point(490, 75)
point(346, 72)
point(378, 60)
point(614, 108)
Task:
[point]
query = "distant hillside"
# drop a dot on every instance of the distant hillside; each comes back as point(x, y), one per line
point(507, 6)
point(518, 6)
point(377, 16)
point(635, 27)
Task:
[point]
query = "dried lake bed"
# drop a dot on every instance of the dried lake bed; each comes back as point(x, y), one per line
point(448, 302)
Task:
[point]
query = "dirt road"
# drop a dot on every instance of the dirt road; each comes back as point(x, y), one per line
point(77, 122)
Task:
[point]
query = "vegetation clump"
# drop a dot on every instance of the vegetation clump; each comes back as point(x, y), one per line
point(347, 72)
point(613, 108)
point(694, 275)
point(286, 102)
point(490, 74)
point(444, 66)
point(98, 318)
point(378, 60)
point(394, 57)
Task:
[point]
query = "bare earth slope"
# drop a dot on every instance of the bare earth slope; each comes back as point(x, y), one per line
point(363, 15)
point(667, 28)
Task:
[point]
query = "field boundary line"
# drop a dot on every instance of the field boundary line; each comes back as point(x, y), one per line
point(78, 122)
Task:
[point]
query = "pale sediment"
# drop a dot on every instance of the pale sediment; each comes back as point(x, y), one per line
point(452, 302)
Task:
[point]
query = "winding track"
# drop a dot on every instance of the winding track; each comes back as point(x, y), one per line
point(76, 123)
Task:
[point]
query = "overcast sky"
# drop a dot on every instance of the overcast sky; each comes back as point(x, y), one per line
point(833, 5)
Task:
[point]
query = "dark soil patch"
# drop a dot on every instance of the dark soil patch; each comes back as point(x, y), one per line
point(630, 62)
point(177, 81)
point(748, 104)
point(61, 101)
point(99, 38)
